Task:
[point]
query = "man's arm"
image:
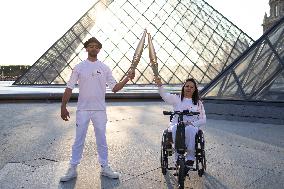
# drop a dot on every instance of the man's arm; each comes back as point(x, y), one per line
point(158, 81)
point(120, 85)
point(65, 99)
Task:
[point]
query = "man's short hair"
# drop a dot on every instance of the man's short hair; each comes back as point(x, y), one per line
point(92, 40)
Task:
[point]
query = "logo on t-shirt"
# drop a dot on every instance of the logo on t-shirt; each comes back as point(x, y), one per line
point(96, 73)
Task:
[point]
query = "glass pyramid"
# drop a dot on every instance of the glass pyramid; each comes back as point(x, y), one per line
point(190, 37)
point(258, 74)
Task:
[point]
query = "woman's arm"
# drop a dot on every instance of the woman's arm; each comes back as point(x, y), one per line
point(202, 116)
point(167, 97)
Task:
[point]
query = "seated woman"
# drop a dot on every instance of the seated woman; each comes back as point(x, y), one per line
point(187, 100)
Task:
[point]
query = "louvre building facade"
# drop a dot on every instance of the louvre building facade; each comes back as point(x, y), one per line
point(191, 39)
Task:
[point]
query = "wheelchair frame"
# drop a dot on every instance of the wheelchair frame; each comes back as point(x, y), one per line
point(167, 150)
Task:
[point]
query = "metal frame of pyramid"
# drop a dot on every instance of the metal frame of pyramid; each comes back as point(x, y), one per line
point(191, 39)
point(257, 75)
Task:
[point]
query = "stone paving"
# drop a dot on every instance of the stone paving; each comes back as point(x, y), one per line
point(35, 146)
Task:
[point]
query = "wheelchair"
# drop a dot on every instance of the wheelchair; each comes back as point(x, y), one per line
point(167, 149)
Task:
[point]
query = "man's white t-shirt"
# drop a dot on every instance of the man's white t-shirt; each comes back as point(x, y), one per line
point(92, 78)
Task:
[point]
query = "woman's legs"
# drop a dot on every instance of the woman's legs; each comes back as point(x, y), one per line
point(173, 128)
point(190, 132)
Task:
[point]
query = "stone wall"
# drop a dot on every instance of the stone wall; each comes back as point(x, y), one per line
point(263, 112)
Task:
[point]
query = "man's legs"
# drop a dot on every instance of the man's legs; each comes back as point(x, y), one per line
point(82, 122)
point(99, 119)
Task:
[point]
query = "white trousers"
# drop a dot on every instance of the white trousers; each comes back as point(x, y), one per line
point(190, 132)
point(99, 120)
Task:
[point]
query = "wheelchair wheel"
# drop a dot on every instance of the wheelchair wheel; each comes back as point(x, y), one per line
point(164, 155)
point(202, 145)
point(181, 174)
point(200, 153)
point(200, 172)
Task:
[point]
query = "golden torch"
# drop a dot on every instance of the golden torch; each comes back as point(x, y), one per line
point(153, 57)
point(137, 54)
point(138, 51)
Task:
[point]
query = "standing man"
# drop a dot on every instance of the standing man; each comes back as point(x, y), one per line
point(92, 76)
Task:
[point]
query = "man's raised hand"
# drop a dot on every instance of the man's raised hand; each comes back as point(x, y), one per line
point(158, 81)
point(131, 73)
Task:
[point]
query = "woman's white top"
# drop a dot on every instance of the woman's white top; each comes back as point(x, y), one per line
point(185, 104)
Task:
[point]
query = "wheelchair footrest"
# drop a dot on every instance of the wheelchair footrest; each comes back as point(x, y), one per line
point(191, 169)
point(176, 174)
point(198, 151)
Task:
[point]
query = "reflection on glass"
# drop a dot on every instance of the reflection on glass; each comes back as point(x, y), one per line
point(257, 74)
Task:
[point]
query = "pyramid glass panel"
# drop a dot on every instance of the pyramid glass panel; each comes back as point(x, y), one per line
point(191, 39)
point(275, 92)
point(258, 72)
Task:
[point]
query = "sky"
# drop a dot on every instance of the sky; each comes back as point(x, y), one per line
point(30, 27)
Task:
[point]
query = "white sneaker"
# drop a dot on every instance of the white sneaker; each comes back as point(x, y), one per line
point(70, 174)
point(108, 172)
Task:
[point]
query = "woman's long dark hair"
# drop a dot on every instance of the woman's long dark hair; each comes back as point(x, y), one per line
point(195, 95)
